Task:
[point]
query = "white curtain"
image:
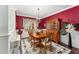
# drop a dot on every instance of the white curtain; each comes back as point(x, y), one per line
point(27, 24)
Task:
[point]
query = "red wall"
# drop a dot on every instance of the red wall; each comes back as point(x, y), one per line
point(19, 21)
point(72, 14)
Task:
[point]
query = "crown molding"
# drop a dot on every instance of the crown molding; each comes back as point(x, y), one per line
point(60, 11)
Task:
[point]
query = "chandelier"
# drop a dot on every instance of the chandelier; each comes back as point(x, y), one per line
point(38, 14)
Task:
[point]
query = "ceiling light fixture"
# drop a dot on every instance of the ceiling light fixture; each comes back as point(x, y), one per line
point(38, 14)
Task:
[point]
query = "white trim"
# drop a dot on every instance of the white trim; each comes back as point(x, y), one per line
point(7, 34)
point(60, 11)
point(10, 32)
point(24, 15)
point(3, 35)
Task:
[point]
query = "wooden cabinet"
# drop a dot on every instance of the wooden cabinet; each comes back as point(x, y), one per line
point(53, 28)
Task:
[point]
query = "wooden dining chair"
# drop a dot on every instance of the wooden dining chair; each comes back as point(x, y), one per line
point(33, 40)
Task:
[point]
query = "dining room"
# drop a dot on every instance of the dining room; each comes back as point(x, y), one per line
point(46, 29)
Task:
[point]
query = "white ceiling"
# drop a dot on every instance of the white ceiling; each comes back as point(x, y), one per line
point(45, 10)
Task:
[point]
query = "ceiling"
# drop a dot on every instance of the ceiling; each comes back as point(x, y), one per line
point(44, 10)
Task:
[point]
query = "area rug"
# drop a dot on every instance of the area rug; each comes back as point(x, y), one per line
point(15, 47)
point(57, 49)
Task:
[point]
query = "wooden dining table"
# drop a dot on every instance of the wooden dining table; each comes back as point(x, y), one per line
point(40, 37)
